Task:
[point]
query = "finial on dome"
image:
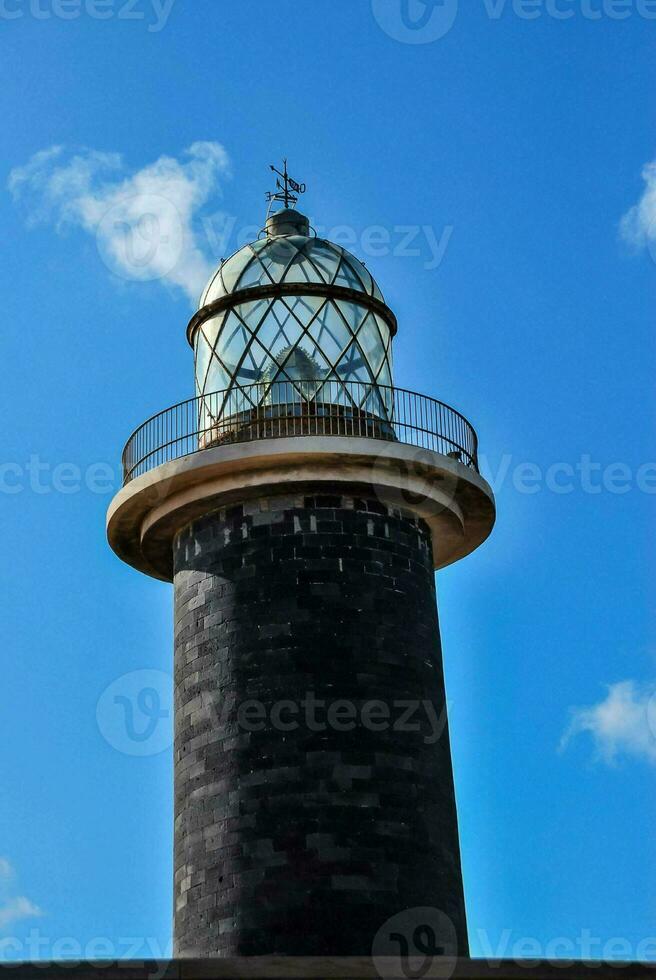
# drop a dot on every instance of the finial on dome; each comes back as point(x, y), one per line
point(288, 191)
point(287, 222)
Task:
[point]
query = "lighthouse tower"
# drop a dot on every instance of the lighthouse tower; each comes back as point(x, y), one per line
point(300, 504)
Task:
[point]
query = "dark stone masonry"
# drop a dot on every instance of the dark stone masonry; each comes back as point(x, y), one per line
point(314, 794)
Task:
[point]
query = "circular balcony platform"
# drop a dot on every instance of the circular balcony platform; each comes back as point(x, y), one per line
point(413, 453)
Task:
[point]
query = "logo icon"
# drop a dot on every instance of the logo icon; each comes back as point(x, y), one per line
point(414, 942)
point(412, 482)
point(415, 21)
point(141, 237)
point(135, 713)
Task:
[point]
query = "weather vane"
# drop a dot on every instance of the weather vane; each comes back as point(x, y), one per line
point(288, 188)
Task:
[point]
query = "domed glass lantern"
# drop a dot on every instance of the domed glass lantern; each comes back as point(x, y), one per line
point(292, 325)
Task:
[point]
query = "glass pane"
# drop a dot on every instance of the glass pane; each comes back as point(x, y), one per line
point(301, 369)
point(293, 334)
point(353, 313)
point(362, 273)
point(253, 313)
point(385, 378)
point(347, 276)
point(260, 244)
point(304, 308)
point(203, 352)
point(217, 377)
point(371, 344)
point(302, 270)
point(208, 334)
point(212, 327)
point(330, 332)
point(353, 366)
point(213, 289)
point(279, 329)
point(372, 402)
point(277, 256)
point(383, 329)
point(324, 258)
point(232, 342)
point(305, 361)
point(254, 365)
point(237, 403)
point(270, 332)
point(388, 364)
point(281, 391)
point(234, 267)
point(254, 275)
point(335, 393)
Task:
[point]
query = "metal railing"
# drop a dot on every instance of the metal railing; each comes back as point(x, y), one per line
point(305, 408)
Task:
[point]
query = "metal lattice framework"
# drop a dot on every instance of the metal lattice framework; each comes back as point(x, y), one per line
point(290, 258)
point(293, 313)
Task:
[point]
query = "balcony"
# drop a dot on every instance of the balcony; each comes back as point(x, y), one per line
point(300, 408)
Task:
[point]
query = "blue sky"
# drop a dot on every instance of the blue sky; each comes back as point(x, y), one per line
point(512, 140)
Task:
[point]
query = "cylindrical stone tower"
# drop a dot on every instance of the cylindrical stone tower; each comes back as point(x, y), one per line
point(300, 505)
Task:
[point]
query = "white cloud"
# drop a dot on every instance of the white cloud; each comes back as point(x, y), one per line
point(638, 226)
point(624, 723)
point(15, 909)
point(146, 223)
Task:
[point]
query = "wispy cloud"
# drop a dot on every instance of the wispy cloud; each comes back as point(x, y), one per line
point(146, 223)
point(13, 908)
point(16, 909)
point(622, 724)
point(638, 226)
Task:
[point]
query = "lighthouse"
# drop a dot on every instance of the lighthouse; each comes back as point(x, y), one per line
point(300, 503)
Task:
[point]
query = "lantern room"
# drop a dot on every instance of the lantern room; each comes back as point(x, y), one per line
point(292, 326)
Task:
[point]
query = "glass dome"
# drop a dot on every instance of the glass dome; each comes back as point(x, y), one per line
point(293, 258)
point(314, 328)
